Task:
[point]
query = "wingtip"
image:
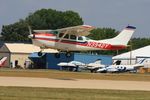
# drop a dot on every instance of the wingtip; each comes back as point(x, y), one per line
point(131, 27)
point(88, 26)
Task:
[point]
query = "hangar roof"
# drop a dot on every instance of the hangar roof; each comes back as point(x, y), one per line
point(141, 52)
point(25, 48)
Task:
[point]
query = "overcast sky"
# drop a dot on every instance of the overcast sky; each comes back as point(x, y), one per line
point(100, 13)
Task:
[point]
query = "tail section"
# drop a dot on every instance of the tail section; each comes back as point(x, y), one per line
point(123, 37)
point(141, 61)
point(140, 64)
point(2, 61)
point(98, 61)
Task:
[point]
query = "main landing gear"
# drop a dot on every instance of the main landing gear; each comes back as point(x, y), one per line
point(67, 54)
point(57, 55)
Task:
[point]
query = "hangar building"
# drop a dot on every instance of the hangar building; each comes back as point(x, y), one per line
point(49, 60)
point(134, 56)
point(17, 53)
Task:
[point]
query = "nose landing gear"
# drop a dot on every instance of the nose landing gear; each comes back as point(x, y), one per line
point(40, 53)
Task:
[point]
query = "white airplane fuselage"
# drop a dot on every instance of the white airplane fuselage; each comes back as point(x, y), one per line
point(48, 41)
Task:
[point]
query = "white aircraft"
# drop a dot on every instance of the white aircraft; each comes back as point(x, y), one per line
point(2, 61)
point(72, 65)
point(122, 68)
point(73, 39)
point(93, 67)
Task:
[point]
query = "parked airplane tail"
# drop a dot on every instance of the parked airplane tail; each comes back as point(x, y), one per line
point(98, 61)
point(2, 61)
point(141, 61)
point(123, 37)
point(139, 64)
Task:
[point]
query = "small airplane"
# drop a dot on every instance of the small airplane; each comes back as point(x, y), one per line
point(2, 61)
point(74, 39)
point(122, 68)
point(93, 67)
point(72, 65)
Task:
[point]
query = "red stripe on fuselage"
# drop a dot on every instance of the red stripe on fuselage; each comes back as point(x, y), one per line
point(44, 34)
point(87, 44)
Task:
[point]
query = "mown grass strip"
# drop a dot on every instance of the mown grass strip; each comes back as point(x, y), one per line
point(73, 75)
point(28, 93)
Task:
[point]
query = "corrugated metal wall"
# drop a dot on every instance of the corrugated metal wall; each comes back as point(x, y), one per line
point(52, 61)
point(88, 58)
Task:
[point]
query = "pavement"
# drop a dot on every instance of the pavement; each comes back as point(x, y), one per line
point(74, 83)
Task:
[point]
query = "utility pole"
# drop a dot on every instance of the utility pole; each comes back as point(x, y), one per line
point(130, 52)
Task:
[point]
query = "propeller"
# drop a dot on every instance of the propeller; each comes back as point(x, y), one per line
point(32, 36)
point(30, 31)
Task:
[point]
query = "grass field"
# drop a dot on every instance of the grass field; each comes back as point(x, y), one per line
point(21, 93)
point(30, 93)
point(73, 75)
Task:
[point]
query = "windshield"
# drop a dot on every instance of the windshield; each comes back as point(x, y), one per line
point(87, 38)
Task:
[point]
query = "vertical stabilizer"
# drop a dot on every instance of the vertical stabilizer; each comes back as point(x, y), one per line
point(2, 61)
point(98, 61)
point(125, 35)
point(122, 38)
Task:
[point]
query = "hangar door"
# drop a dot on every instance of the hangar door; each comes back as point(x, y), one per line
point(38, 62)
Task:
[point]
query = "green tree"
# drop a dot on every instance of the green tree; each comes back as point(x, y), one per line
point(103, 33)
point(52, 19)
point(15, 32)
point(140, 42)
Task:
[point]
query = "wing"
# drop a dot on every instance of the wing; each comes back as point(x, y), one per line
point(42, 30)
point(81, 30)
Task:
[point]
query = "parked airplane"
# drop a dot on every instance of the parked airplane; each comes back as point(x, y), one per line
point(72, 65)
point(2, 61)
point(122, 68)
point(93, 67)
point(73, 39)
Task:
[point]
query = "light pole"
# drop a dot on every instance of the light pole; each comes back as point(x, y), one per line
point(130, 52)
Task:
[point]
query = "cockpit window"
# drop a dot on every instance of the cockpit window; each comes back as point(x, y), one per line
point(66, 36)
point(88, 38)
point(80, 38)
point(54, 32)
point(73, 37)
point(61, 34)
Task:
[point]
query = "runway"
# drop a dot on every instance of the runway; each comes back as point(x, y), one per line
point(74, 83)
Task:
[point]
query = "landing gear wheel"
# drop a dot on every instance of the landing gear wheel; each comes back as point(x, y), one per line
point(40, 53)
point(68, 54)
point(57, 55)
